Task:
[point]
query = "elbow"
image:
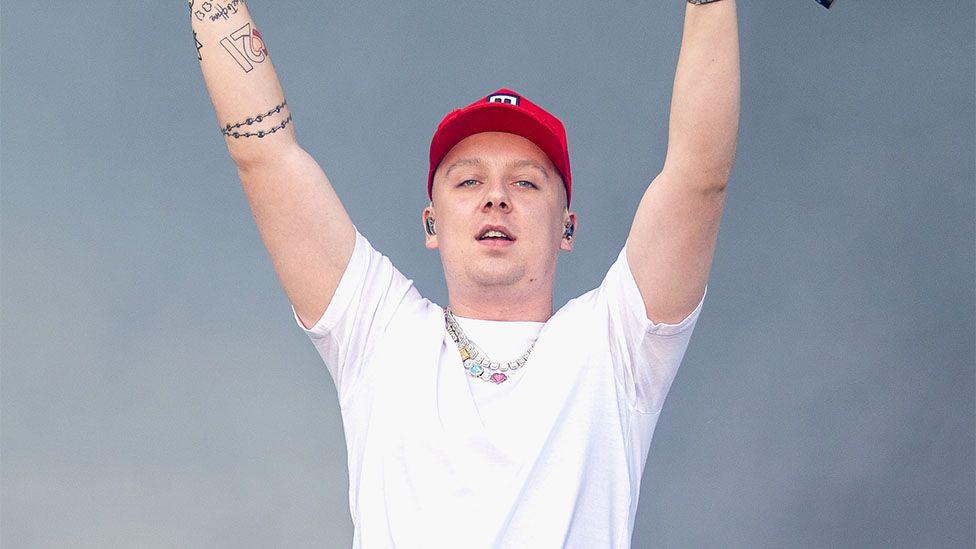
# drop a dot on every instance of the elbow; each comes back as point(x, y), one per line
point(709, 179)
point(705, 168)
point(718, 184)
point(248, 156)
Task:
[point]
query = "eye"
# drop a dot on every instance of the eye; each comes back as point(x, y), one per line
point(466, 181)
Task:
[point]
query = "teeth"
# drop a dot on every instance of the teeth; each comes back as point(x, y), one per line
point(490, 234)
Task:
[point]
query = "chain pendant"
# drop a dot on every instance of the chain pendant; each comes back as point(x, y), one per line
point(482, 368)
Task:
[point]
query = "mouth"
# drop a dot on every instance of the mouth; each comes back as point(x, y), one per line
point(496, 242)
point(495, 236)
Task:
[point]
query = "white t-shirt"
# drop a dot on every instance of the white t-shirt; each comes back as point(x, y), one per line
point(552, 457)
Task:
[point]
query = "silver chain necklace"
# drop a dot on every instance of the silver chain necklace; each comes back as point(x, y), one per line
point(475, 361)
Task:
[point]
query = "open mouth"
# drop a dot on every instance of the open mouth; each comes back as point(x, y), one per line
point(495, 236)
point(496, 242)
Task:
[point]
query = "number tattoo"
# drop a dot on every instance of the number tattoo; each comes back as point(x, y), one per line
point(251, 50)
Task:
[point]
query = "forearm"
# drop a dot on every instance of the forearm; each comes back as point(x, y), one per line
point(704, 120)
point(241, 80)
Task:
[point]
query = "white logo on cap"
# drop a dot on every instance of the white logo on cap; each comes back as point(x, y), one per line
point(504, 98)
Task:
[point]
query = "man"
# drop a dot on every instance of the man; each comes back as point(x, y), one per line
point(491, 422)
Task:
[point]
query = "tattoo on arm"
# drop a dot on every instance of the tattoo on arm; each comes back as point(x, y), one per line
point(215, 11)
point(230, 7)
point(246, 46)
point(199, 45)
point(227, 130)
point(201, 13)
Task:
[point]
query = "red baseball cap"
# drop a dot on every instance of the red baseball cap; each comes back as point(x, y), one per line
point(502, 111)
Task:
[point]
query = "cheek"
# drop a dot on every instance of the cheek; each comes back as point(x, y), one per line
point(543, 231)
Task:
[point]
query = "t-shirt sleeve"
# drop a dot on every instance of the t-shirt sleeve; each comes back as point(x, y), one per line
point(646, 355)
point(369, 292)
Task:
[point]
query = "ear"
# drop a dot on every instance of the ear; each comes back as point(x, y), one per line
point(564, 242)
point(430, 240)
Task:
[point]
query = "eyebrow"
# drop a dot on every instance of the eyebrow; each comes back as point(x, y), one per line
point(518, 163)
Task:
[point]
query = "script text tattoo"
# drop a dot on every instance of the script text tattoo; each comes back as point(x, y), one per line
point(215, 11)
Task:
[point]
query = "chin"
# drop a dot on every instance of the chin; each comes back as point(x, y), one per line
point(494, 274)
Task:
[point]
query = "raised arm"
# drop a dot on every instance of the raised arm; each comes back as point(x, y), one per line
point(672, 239)
point(302, 222)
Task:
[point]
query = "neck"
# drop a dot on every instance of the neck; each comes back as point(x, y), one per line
point(533, 306)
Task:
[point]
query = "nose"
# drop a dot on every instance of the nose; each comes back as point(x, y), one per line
point(496, 195)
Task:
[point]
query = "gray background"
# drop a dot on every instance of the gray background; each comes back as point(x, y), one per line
point(157, 393)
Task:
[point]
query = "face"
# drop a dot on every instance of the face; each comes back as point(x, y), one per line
point(496, 178)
